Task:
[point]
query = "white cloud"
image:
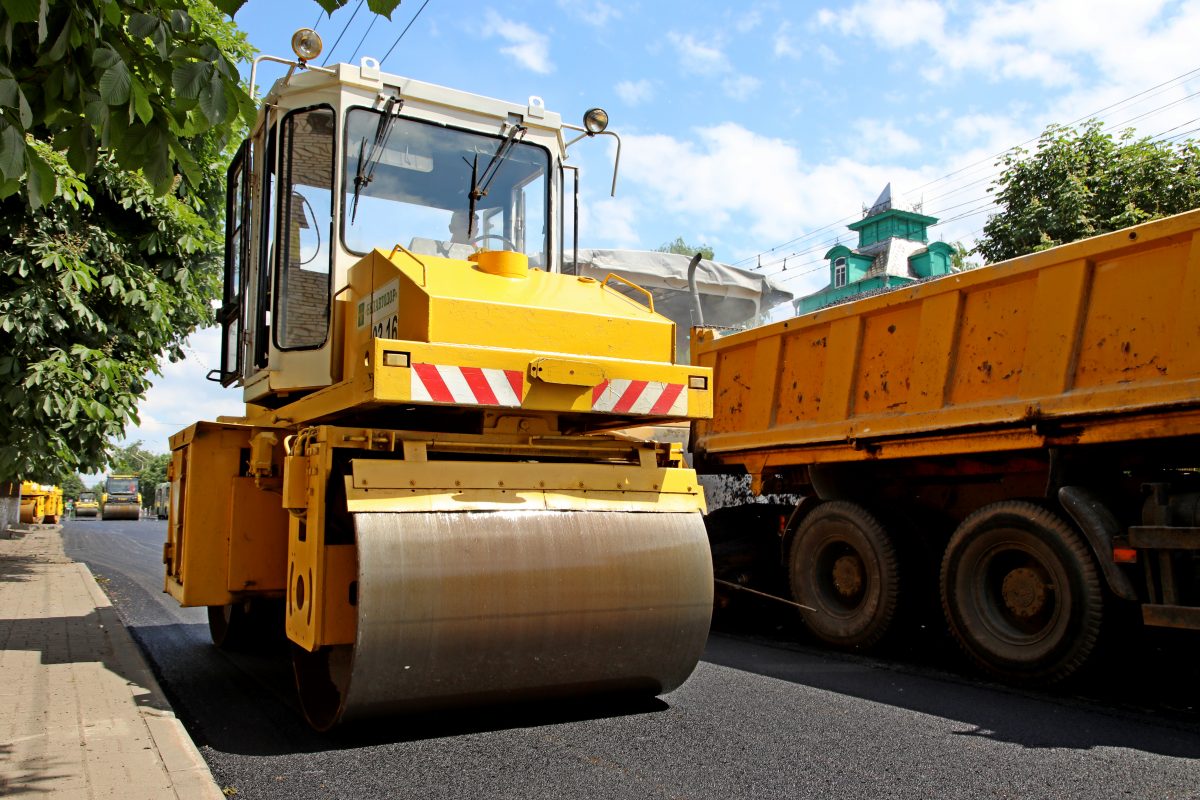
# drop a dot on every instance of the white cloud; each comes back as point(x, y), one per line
point(740, 87)
point(894, 23)
point(635, 93)
point(785, 44)
point(1054, 43)
point(697, 57)
point(828, 57)
point(748, 21)
point(874, 139)
point(593, 13)
point(708, 60)
point(610, 222)
point(756, 191)
point(530, 48)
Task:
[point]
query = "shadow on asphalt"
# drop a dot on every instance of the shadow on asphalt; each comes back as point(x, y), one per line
point(246, 703)
point(1143, 675)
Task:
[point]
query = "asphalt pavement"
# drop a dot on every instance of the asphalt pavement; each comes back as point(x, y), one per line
point(762, 717)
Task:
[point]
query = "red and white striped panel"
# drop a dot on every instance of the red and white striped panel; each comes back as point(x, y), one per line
point(621, 396)
point(472, 386)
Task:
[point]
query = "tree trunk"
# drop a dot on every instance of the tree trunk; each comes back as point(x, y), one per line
point(10, 505)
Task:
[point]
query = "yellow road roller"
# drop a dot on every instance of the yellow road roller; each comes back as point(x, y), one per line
point(40, 503)
point(121, 498)
point(430, 491)
point(87, 505)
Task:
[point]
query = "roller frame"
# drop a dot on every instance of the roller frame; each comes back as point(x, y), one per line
point(402, 485)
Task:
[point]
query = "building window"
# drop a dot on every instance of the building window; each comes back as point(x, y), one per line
point(839, 272)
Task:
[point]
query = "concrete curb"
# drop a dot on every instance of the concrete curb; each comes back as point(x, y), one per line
point(186, 768)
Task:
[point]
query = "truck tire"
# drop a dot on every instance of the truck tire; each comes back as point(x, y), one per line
point(1021, 593)
point(844, 566)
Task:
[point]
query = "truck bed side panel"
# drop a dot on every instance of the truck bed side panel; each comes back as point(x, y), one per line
point(1096, 340)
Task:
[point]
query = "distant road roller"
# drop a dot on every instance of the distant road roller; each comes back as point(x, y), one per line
point(87, 505)
point(121, 498)
point(430, 491)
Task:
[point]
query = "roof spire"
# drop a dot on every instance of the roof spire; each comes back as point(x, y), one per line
point(883, 202)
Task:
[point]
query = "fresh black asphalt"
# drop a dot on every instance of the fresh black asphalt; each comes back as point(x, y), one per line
point(762, 717)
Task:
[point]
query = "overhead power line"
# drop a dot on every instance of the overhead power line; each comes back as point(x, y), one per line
point(343, 33)
point(401, 36)
point(811, 235)
point(364, 38)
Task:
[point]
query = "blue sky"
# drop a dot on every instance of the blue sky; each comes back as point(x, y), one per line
point(762, 128)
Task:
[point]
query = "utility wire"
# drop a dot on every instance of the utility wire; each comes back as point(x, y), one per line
point(401, 36)
point(1156, 89)
point(364, 38)
point(343, 33)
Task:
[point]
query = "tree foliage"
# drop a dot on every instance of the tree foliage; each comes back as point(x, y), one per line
point(109, 273)
point(960, 258)
point(136, 78)
point(682, 248)
point(91, 293)
point(71, 485)
point(383, 7)
point(1083, 181)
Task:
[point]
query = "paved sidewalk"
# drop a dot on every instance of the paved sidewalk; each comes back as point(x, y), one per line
point(81, 715)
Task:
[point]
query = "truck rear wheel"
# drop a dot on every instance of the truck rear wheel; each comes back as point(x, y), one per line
point(1021, 593)
point(844, 566)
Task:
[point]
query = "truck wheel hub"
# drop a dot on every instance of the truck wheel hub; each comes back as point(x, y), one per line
point(1024, 592)
point(848, 576)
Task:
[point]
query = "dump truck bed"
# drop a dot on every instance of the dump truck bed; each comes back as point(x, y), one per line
point(1096, 341)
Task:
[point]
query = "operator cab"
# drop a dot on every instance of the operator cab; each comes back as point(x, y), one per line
point(348, 159)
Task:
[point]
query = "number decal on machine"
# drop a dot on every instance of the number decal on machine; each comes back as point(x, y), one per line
point(386, 328)
point(379, 310)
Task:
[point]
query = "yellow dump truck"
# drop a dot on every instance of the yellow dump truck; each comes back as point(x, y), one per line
point(41, 503)
point(1022, 437)
point(428, 491)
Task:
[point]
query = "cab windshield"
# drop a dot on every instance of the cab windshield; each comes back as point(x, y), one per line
point(87, 497)
point(419, 187)
point(121, 486)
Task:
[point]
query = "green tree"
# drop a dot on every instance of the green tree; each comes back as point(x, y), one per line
point(107, 277)
point(959, 258)
point(138, 78)
point(383, 7)
point(684, 249)
point(92, 293)
point(1083, 181)
point(71, 485)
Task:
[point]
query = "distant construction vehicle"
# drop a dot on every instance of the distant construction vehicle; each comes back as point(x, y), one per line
point(162, 499)
point(87, 505)
point(122, 498)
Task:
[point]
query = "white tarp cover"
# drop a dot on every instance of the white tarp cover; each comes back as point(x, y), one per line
point(728, 295)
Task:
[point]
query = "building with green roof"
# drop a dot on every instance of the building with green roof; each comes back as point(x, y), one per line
point(893, 250)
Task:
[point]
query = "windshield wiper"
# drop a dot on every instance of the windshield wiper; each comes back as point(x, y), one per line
point(481, 183)
point(366, 166)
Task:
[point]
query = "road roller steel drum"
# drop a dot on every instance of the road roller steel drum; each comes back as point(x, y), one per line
point(460, 609)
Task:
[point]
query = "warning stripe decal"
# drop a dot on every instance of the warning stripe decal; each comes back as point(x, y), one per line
point(621, 396)
point(477, 386)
